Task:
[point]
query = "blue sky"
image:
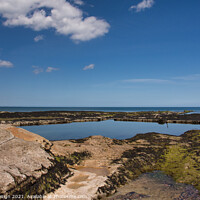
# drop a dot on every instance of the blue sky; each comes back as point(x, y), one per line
point(99, 53)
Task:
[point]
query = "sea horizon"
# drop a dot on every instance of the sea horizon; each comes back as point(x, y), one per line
point(97, 108)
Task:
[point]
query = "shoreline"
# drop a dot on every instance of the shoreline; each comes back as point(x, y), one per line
point(64, 117)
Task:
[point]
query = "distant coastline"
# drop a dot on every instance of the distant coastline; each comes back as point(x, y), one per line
point(104, 109)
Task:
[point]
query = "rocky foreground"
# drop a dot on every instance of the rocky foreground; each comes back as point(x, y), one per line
point(62, 117)
point(98, 167)
point(26, 166)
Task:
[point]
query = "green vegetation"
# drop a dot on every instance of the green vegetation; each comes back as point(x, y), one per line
point(182, 163)
point(192, 136)
point(188, 111)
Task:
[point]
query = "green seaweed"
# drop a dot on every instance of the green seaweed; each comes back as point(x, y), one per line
point(178, 157)
point(180, 162)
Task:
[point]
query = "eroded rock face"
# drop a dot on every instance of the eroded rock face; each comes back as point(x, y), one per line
point(24, 161)
point(20, 159)
point(28, 136)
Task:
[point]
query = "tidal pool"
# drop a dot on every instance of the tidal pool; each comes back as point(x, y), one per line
point(109, 128)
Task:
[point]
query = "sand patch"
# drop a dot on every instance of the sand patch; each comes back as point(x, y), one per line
point(96, 170)
point(83, 184)
point(75, 186)
point(80, 178)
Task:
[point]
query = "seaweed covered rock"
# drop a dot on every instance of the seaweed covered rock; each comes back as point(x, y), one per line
point(25, 165)
point(178, 157)
point(182, 161)
point(63, 117)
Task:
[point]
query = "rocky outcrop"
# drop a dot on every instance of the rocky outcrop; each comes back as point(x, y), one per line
point(63, 117)
point(30, 164)
point(178, 157)
point(126, 160)
point(27, 136)
point(26, 167)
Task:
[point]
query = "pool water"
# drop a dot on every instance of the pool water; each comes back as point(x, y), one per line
point(109, 128)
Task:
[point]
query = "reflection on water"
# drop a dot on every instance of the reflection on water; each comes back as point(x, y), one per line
point(110, 128)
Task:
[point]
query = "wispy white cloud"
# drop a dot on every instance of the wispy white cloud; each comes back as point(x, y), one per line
point(60, 15)
point(6, 64)
point(37, 69)
point(178, 79)
point(135, 82)
point(91, 66)
point(147, 81)
point(79, 2)
point(188, 78)
point(142, 5)
point(50, 69)
point(38, 38)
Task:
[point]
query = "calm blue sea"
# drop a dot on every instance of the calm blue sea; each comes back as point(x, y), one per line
point(105, 109)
